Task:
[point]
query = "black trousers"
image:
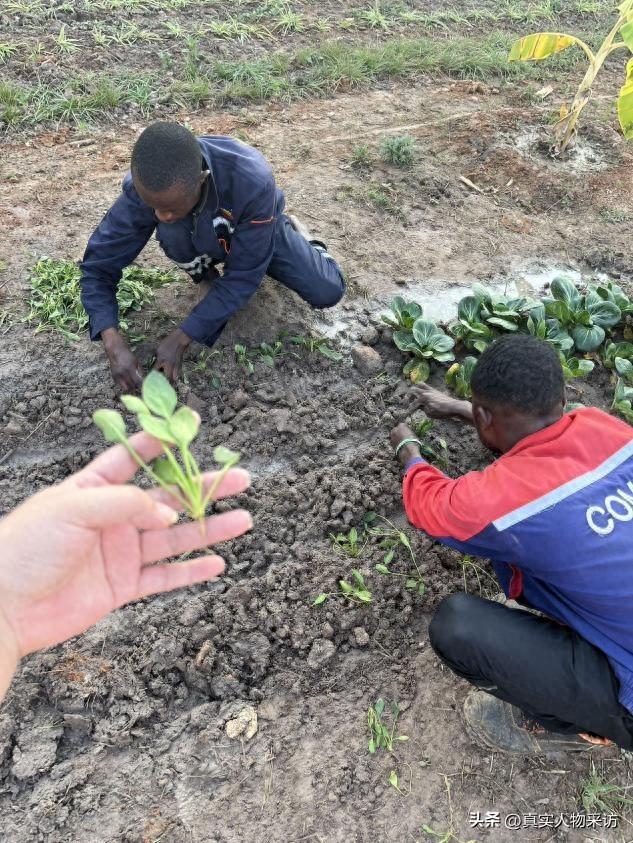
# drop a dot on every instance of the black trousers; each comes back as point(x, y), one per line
point(550, 672)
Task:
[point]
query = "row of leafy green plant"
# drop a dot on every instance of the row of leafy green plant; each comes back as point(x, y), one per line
point(585, 327)
point(55, 299)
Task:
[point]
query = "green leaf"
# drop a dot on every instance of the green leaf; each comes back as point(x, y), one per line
point(321, 598)
point(393, 779)
point(402, 738)
point(166, 471)
point(564, 290)
point(379, 707)
point(159, 394)
point(404, 539)
point(624, 368)
point(411, 582)
point(469, 309)
point(588, 337)
point(352, 536)
point(358, 578)
point(225, 456)
point(330, 353)
point(184, 426)
point(504, 324)
point(134, 404)
point(403, 340)
point(372, 746)
point(389, 557)
point(157, 428)
point(345, 587)
point(382, 569)
point(363, 596)
point(111, 424)
point(603, 313)
point(559, 310)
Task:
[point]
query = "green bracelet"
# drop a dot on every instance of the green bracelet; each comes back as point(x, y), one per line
point(409, 441)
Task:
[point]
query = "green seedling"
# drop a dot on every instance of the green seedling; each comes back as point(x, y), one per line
point(623, 400)
point(459, 375)
point(361, 157)
point(422, 430)
point(614, 350)
point(242, 357)
point(599, 796)
point(426, 342)
point(469, 566)
point(398, 150)
point(545, 44)
point(318, 345)
point(374, 17)
point(403, 314)
point(202, 366)
point(574, 367)
point(55, 300)
point(348, 544)
point(381, 736)
point(391, 541)
point(356, 591)
point(584, 317)
point(268, 353)
point(175, 429)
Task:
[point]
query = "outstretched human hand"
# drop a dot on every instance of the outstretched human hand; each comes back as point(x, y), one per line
point(437, 405)
point(75, 552)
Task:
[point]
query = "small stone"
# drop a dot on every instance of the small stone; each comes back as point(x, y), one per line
point(244, 725)
point(238, 400)
point(367, 360)
point(281, 419)
point(370, 336)
point(13, 428)
point(361, 636)
point(327, 630)
point(320, 653)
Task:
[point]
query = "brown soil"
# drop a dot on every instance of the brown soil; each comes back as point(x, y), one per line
point(119, 734)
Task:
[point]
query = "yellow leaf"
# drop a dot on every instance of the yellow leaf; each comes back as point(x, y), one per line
point(540, 46)
point(564, 111)
point(625, 103)
point(627, 34)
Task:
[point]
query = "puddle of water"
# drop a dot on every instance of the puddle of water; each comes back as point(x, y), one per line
point(583, 157)
point(440, 298)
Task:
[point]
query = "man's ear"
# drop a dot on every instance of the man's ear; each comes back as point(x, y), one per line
point(484, 417)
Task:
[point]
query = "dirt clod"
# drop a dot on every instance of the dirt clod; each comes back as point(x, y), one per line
point(367, 360)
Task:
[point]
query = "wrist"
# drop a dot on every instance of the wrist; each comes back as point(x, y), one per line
point(9, 653)
point(408, 453)
point(183, 339)
point(110, 337)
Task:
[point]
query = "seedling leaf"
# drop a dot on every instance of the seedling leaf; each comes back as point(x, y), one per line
point(321, 598)
point(159, 394)
point(157, 428)
point(111, 424)
point(165, 470)
point(225, 456)
point(184, 425)
point(134, 404)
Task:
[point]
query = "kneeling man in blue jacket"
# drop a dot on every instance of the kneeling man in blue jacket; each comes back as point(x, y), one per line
point(211, 200)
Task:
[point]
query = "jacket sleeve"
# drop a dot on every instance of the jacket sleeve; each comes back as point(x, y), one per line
point(446, 508)
point(117, 241)
point(252, 247)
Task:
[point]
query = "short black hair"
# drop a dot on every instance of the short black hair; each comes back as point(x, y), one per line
point(521, 372)
point(166, 154)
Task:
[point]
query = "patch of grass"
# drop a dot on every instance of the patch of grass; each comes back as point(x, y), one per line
point(7, 50)
point(64, 43)
point(615, 216)
point(55, 300)
point(317, 71)
point(598, 796)
point(398, 150)
point(361, 157)
point(375, 18)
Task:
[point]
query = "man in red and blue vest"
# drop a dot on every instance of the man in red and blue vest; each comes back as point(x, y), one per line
point(211, 201)
point(554, 515)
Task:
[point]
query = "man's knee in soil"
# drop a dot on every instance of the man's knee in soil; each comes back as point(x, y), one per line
point(453, 627)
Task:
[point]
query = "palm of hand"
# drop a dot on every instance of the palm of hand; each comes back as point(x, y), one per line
point(81, 549)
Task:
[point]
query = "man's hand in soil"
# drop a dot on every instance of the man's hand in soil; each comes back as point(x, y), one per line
point(408, 452)
point(75, 552)
point(124, 366)
point(170, 352)
point(437, 405)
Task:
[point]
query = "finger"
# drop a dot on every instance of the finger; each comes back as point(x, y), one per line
point(160, 578)
point(160, 544)
point(116, 465)
point(234, 481)
point(108, 505)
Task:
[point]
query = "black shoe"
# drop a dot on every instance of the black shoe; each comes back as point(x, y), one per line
point(502, 727)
